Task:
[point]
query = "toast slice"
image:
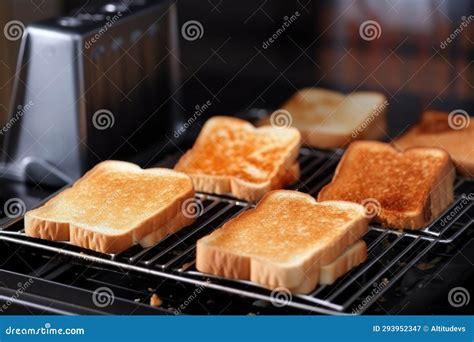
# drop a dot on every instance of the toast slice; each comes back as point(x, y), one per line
point(288, 176)
point(405, 190)
point(232, 157)
point(434, 130)
point(329, 119)
point(283, 241)
point(113, 206)
point(353, 256)
point(167, 228)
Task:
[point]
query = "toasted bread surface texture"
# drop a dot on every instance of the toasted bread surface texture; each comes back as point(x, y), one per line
point(231, 156)
point(437, 129)
point(407, 189)
point(283, 241)
point(329, 119)
point(111, 207)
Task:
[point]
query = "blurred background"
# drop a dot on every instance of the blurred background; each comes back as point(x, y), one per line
point(235, 67)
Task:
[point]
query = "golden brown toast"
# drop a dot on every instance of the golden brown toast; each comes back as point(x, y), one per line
point(288, 176)
point(435, 130)
point(113, 206)
point(329, 119)
point(409, 188)
point(231, 156)
point(283, 241)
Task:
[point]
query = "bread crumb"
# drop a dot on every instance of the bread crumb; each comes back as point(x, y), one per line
point(155, 300)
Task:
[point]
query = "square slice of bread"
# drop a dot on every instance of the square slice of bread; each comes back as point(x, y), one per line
point(452, 132)
point(401, 190)
point(232, 157)
point(113, 206)
point(329, 119)
point(283, 241)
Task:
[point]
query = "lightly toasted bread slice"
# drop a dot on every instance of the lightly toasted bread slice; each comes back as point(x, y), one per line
point(231, 156)
point(113, 206)
point(329, 119)
point(353, 256)
point(403, 190)
point(283, 241)
point(437, 129)
point(167, 228)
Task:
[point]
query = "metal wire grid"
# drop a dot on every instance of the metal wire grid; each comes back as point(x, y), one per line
point(391, 253)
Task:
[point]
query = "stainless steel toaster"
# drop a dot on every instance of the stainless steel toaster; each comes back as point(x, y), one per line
point(14, 14)
point(102, 84)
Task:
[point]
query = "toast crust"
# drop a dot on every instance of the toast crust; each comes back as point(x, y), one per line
point(172, 226)
point(412, 188)
point(434, 130)
point(283, 241)
point(353, 256)
point(231, 156)
point(329, 119)
point(93, 212)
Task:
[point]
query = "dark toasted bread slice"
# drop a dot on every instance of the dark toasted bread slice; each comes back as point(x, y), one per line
point(231, 156)
point(435, 130)
point(409, 188)
point(284, 241)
